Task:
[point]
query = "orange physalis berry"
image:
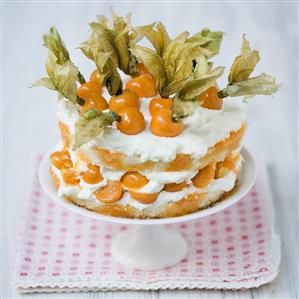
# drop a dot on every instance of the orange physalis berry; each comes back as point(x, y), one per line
point(210, 100)
point(134, 180)
point(111, 193)
point(204, 176)
point(95, 76)
point(144, 85)
point(55, 179)
point(173, 187)
point(163, 125)
point(61, 159)
point(141, 68)
point(126, 99)
point(145, 198)
point(159, 103)
point(224, 167)
point(66, 135)
point(69, 176)
point(88, 88)
point(96, 101)
point(132, 121)
point(92, 175)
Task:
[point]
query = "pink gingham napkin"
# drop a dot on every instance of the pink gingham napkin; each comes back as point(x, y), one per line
point(60, 251)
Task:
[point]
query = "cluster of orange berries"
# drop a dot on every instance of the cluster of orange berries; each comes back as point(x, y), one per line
point(62, 161)
point(132, 180)
point(135, 180)
point(91, 93)
point(127, 104)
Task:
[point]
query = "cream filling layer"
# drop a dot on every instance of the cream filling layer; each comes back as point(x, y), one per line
point(85, 191)
point(157, 180)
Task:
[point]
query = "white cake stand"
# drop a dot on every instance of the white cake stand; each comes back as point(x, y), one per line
point(149, 245)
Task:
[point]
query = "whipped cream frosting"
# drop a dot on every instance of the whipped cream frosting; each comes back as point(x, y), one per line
point(203, 129)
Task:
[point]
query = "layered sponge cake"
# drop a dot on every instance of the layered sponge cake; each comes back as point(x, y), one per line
point(151, 176)
point(150, 134)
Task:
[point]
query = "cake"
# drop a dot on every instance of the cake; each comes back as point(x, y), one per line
point(150, 134)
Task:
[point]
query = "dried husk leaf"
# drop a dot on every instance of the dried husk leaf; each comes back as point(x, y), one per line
point(194, 88)
point(239, 82)
point(153, 62)
point(203, 77)
point(183, 53)
point(203, 81)
point(178, 64)
point(177, 61)
point(263, 84)
point(156, 34)
point(181, 74)
point(62, 78)
point(209, 41)
point(214, 44)
point(103, 21)
point(244, 64)
point(199, 39)
point(113, 81)
point(121, 43)
point(122, 27)
point(46, 82)
point(109, 75)
point(173, 49)
point(202, 67)
point(182, 109)
point(109, 47)
point(196, 51)
point(90, 124)
point(102, 38)
point(116, 39)
point(173, 87)
point(174, 69)
point(55, 44)
point(245, 48)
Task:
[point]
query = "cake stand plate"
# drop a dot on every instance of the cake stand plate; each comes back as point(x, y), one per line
point(149, 245)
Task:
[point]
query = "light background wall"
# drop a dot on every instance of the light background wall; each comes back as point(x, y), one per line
point(28, 114)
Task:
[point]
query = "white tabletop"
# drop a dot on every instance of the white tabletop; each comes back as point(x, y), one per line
point(29, 125)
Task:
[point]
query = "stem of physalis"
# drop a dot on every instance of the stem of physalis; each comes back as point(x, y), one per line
point(177, 117)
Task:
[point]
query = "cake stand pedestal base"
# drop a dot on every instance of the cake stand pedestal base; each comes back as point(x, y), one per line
point(150, 247)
